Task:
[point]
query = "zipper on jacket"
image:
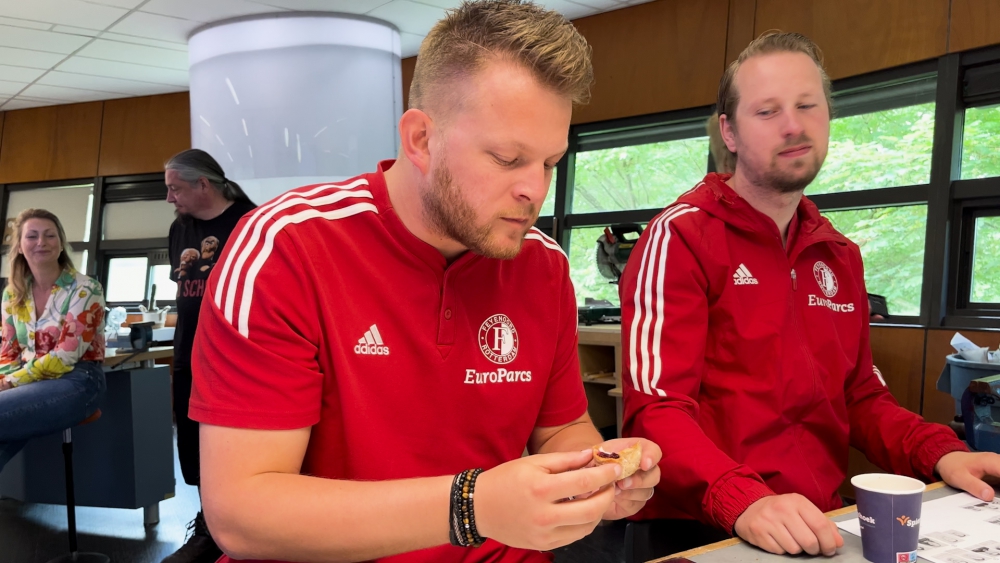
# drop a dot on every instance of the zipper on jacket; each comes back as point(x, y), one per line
point(795, 285)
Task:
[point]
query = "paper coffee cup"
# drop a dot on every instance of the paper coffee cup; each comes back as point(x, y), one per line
point(889, 513)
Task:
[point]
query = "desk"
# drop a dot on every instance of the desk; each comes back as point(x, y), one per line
point(145, 359)
point(123, 460)
point(736, 550)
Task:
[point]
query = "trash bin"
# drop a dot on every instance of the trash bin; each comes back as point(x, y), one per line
point(957, 374)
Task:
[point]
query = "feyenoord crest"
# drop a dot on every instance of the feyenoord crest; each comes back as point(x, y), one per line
point(498, 339)
point(825, 279)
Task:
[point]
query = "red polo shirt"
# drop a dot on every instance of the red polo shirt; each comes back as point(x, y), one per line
point(326, 312)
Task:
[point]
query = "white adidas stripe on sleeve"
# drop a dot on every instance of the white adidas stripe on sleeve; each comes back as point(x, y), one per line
point(654, 260)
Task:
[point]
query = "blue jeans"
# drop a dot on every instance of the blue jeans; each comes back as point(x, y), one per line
point(48, 406)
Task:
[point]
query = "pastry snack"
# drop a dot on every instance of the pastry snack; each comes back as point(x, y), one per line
point(629, 458)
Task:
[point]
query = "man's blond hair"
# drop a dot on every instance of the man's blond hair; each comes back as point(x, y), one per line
point(478, 32)
point(773, 41)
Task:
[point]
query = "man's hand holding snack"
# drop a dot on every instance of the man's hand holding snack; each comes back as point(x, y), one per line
point(523, 503)
point(640, 460)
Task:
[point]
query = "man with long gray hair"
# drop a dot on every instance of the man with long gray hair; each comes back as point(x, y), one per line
point(208, 207)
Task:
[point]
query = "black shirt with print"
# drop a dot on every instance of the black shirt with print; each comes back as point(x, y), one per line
point(195, 246)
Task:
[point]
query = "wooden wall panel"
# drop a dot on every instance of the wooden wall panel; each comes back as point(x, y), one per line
point(741, 27)
point(899, 355)
point(51, 143)
point(859, 36)
point(857, 464)
point(938, 405)
point(408, 65)
point(140, 134)
point(654, 57)
point(974, 23)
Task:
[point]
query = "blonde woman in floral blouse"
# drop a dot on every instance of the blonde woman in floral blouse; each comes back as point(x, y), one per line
point(53, 337)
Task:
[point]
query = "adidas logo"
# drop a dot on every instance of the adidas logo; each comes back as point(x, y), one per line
point(371, 344)
point(743, 276)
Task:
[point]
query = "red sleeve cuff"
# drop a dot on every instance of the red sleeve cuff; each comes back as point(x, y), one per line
point(928, 456)
point(252, 420)
point(562, 416)
point(730, 497)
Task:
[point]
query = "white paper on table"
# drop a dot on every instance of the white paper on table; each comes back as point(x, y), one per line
point(956, 529)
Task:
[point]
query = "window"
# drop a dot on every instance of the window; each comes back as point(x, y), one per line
point(166, 289)
point(892, 245)
point(981, 143)
point(131, 279)
point(71, 204)
point(137, 219)
point(587, 280)
point(986, 261)
point(127, 279)
point(880, 149)
point(549, 205)
point(648, 176)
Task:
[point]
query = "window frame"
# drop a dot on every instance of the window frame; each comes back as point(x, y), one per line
point(967, 212)
point(154, 257)
point(968, 199)
point(88, 246)
point(135, 187)
point(879, 91)
point(641, 130)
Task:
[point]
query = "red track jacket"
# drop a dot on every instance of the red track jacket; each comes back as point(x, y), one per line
point(749, 363)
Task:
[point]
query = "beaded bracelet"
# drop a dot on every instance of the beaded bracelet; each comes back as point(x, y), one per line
point(463, 532)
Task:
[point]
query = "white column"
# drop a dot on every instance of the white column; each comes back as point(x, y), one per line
point(285, 100)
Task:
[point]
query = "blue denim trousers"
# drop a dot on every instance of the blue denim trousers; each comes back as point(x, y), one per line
point(48, 406)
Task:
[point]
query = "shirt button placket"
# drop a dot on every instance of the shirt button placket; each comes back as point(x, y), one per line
point(446, 328)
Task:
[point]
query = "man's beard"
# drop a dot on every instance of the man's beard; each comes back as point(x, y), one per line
point(784, 181)
point(450, 215)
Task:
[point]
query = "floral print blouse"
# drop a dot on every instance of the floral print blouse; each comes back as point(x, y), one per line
point(70, 330)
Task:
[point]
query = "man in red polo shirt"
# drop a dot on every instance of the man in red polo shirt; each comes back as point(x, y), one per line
point(364, 342)
point(745, 331)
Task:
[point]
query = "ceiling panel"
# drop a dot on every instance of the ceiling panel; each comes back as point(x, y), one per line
point(409, 16)
point(570, 10)
point(155, 26)
point(69, 94)
point(8, 89)
point(23, 103)
point(64, 12)
point(126, 71)
point(71, 30)
point(145, 41)
point(19, 73)
point(348, 6)
point(24, 57)
point(132, 87)
point(602, 5)
point(409, 43)
point(202, 11)
point(138, 54)
point(40, 40)
point(59, 51)
point(24, 23)
point(440, 3)
point(128, 4)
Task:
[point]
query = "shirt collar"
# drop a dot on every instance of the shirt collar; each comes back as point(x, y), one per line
point(65, 279)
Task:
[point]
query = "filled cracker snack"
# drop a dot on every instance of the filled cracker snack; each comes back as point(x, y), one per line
point(628, 459)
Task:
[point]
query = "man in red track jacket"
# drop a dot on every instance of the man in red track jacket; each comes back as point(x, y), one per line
point(745, 331)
